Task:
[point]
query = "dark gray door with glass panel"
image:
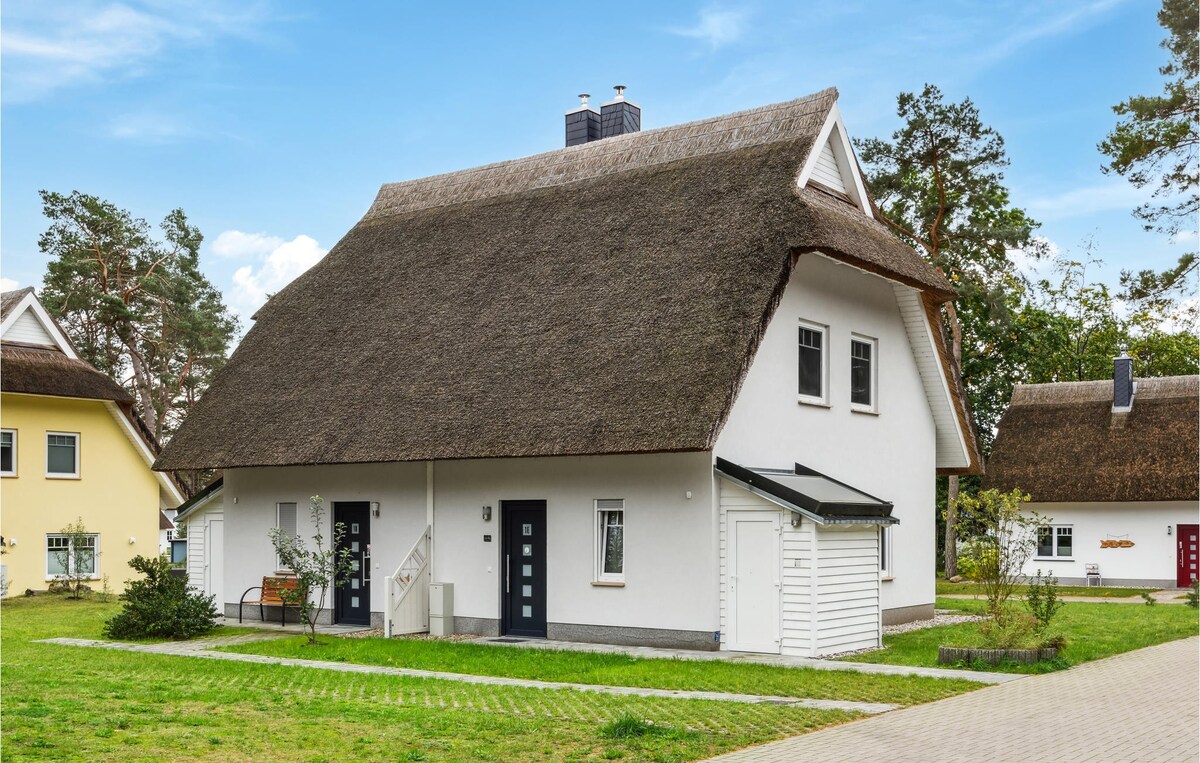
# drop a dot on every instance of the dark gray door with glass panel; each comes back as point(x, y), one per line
point(523, 561)
point(352, 597)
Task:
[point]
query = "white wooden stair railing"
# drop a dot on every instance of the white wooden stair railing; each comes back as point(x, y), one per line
point(407, 608)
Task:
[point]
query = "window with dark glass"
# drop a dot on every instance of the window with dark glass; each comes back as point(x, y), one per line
point(812, 373)
point(1055, 541)
point(610, 540)
point(860, 373)
point(62, 455)
point(8, 452)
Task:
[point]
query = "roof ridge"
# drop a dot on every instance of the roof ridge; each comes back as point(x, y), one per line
point(602, 157)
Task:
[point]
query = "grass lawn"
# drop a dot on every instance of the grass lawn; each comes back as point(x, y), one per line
point(1092, 630)
point(945, 587)
point(79, 704)
point(616, 669)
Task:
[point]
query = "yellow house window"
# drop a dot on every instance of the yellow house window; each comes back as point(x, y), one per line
point(62, 454)
point(8, 453)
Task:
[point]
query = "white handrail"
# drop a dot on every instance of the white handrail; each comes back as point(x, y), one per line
point(407, 609)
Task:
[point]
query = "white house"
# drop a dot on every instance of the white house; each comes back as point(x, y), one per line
point(1113, 465)
point(675, 387)
point(201, 519)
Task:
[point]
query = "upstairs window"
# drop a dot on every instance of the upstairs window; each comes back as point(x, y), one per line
point(862, 373)
point(62, 454)
point(8, 452)
point(812, 371)
point(610, 540)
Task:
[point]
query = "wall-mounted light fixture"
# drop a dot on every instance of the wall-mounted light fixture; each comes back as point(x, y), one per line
point(1168, 529)
point(12, 541)
point(132, 540)
point(375, 509)
point(487, 513)
point(795, 520)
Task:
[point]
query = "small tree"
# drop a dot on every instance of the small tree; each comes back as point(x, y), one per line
point(316, 568)
point(1042, 599)
point(75, 558)
point(1004, 537)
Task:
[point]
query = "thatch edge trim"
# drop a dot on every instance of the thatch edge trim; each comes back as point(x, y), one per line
point(962, 405)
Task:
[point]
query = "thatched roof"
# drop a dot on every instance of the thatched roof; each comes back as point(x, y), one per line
point(604, 298)
point(10, 299)
point(1062, 443)
point(47, 371)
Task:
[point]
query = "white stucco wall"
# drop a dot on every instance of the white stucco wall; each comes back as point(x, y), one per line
point(670, 539)
point(890, 454)
point(1150, 561)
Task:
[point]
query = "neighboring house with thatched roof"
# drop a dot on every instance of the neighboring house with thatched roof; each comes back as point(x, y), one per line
point(1113, 464)
point(643, 389)
point(70, 447)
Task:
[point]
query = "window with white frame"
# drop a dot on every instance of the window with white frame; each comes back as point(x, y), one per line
point(62, 454)
point(610, 540)
point(862, 373)
point(1055, 542)
point(885, 551)
point(285, 520)
point(813, 362)
point(75, 555)
point(8, 452)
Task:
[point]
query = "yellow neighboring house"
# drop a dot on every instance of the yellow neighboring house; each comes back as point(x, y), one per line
point(70, 447)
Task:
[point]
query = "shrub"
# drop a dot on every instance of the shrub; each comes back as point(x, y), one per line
point(1004, 536)
point(1015, 630)
point(1042, 599)
point(316, 568)
point(161, 606)
point(1193, 594)
point(1146, 597)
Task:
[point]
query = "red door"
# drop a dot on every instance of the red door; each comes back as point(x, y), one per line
point(1189, 539)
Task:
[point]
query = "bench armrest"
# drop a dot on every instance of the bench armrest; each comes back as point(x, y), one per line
point(248, 590)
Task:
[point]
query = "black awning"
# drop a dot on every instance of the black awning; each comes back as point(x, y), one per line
point(810, 493)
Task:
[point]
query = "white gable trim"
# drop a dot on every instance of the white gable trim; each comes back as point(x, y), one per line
point(29, 303)
point(952, 451)
point(169, 494)
point(833, 134)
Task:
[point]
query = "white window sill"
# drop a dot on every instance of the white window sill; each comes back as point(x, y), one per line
point(62, 476)
point(814, 402)
point(8, 474)
point(887, 578)
point(1054, 559)
point(867, 411)
point(66, 579)
point(608, 583)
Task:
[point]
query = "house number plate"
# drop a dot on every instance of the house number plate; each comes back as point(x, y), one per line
point(527, 529)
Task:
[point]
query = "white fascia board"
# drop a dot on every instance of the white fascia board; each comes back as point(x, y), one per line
point(166, 487)
point(834, 131)
point(30, 303)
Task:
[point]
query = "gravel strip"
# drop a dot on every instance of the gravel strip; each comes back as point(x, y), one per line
point(939, 618)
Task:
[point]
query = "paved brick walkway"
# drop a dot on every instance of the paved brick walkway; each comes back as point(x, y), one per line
point(1138, 706)
point(203, 648)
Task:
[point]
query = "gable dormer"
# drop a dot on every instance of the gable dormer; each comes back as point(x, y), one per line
point(26, 322)
point(832, 167)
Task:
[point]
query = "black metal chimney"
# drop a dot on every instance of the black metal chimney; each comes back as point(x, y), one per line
point(583, 123)
point(1122, 383)
point(619, 116)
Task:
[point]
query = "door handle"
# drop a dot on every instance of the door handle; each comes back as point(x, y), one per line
point(507, 558)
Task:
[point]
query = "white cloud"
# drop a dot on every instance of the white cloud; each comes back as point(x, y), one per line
point(252, 284)
point(1088, 200)
point(51, 45)
point(715, 26)
point(234, 243)
point(1185, 237)
point(1068, 22)
point(149, 127)
point(7, 284)
point(1036, 264)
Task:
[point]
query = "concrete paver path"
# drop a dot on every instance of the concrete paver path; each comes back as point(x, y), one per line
point(203, 648)
point(1138, 706)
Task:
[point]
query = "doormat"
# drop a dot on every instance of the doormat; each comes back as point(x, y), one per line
point(508, 640)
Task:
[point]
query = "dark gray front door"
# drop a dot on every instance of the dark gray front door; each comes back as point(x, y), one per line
point(352, 598)
point(523, 592)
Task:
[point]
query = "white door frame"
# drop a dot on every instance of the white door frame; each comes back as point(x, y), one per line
point(208, 560)
point(772, 643)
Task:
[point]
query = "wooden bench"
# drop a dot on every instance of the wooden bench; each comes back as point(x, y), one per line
point(273, 595)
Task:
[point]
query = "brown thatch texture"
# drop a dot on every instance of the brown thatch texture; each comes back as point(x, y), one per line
point(600, 299)
point(44, 371)
point(10, 299)
point(1062, 443)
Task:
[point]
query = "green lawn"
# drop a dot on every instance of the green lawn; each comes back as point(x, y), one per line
point(617, 669)
point(945, 587)
point(82, 704)
point(1092, 630)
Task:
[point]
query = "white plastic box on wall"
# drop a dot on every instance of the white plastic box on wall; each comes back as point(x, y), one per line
point(441, 609)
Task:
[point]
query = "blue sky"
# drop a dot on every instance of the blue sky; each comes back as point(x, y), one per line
point(273, 124)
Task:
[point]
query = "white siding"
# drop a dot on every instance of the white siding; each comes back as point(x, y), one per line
point(198, 555)
point(826, 172)
point(848, 588)
point(28, 329)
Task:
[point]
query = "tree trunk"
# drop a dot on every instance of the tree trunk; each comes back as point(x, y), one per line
point(950, 551)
